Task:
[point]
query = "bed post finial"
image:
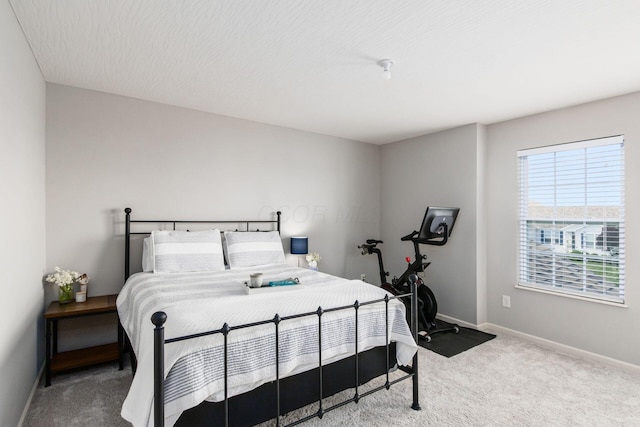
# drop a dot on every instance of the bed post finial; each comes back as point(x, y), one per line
point(159, 318)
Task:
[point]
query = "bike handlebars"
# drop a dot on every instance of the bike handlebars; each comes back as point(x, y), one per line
point(413, 236)
point(409, 236)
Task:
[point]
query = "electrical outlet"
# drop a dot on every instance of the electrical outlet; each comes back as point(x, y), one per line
point(506, 301)
point(363, 277)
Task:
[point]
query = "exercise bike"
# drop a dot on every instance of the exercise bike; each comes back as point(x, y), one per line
point(435, 230)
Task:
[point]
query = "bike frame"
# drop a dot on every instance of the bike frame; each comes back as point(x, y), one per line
point(417, 266)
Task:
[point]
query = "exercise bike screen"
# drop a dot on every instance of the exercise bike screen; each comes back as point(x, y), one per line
point(434, 220)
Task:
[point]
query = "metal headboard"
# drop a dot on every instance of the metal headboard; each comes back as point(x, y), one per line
point(128, 233)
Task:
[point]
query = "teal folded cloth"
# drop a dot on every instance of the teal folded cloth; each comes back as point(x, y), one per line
point(284, 282)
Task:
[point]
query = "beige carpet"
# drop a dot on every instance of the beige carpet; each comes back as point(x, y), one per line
point(504, 382)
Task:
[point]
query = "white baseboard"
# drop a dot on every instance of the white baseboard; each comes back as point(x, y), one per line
point(561, 348)
point(458, 322)
point(566, 349)
point(25, 411)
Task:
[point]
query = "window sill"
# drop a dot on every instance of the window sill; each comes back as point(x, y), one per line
point(578, 297)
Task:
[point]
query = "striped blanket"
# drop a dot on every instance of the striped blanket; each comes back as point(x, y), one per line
point(198, 302)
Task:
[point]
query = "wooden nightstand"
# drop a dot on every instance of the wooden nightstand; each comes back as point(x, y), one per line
point(56, 362)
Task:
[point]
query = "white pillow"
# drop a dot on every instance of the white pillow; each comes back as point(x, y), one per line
point(147, 255)
point(249, 248)
point(181, 251)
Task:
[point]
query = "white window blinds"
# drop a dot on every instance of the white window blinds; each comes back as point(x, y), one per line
point(572, 218)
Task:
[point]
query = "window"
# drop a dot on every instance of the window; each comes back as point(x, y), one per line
point(572, 218)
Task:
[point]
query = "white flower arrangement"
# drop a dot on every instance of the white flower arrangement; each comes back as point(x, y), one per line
point(63, 277)
point(313, 258)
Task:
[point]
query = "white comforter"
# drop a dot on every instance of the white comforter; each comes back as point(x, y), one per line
point(197, 302)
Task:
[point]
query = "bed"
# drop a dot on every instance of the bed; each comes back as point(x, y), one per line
point(219, 353)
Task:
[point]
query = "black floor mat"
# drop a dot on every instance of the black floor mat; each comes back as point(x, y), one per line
point(449, 344)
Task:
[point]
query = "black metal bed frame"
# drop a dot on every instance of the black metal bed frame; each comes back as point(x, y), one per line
point(129, 221)
point(159, 318)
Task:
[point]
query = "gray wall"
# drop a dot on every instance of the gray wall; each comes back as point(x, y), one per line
point(441, 169)
point(603, 329)
point(474, 167)
point(107, 152)
point(22, 143)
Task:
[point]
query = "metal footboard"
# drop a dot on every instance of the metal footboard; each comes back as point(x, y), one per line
point(159, 319)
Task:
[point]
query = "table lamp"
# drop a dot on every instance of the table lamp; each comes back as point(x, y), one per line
point(299, 246)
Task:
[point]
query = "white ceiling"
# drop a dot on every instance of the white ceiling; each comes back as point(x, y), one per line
point(311, 64)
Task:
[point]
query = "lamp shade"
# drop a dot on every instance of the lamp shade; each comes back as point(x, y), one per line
point(299, 245)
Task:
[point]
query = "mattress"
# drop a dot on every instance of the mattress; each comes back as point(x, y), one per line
point(203, 301)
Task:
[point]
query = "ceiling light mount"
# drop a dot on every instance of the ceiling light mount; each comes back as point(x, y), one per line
point(386, 65)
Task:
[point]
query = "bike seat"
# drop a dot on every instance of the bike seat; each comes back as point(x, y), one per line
point(374, 241)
